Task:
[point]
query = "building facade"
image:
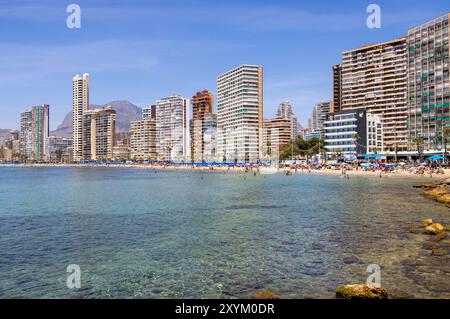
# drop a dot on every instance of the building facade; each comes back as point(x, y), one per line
point(80, 95)
point(143, 140)
point(202, 106)
point(34, 133)
point(353, 132)
point(172, 129)
point(59, 148)
point(319, 116)
point(374, 79)
point(149, 111)
point(240, 114)
point(277, 132)
point(337, 88)
point(285, 112)
point(429, 84)
point(98, 134)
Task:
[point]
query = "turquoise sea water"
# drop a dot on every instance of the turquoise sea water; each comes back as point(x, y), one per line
point(178, 234)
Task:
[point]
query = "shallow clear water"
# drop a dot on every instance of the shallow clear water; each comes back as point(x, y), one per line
point(141, 234)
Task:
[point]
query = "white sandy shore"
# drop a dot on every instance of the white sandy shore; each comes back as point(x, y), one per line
point(264, 170)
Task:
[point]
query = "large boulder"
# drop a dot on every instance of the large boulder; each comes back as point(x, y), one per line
point(433, 229)
point(361, 291)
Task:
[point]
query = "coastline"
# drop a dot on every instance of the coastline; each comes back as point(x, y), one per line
point(262, 170)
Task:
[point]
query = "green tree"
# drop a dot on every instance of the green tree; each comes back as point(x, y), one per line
point(418, 141)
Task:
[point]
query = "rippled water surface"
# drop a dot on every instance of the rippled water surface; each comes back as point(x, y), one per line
point(177, 234)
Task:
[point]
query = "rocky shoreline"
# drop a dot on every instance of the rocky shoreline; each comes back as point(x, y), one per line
point(439, 191)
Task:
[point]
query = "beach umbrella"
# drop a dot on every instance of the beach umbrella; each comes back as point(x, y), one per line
point(436, 157)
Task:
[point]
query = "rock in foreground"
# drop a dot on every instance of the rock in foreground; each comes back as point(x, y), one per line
point(361, 291)
point(265, 294)
point(433, 229)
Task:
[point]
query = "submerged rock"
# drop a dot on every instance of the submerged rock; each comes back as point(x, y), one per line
point(351, 260)
point(433, 229)
point(439, 252)
point(428, 245)
point(265, 294)
point(439, 237)
point(413, 229)
point(361, 291)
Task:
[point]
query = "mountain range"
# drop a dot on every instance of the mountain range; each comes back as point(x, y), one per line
point(126, 112)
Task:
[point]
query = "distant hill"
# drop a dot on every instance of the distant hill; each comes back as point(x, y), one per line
point(4, 131)
point(126, 112)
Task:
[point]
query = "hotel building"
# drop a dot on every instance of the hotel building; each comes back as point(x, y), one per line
point(172, 129)
point(98, 134)
point(374, 78)
point(240, 114)
point(202, 108)
point(428, 83)
point(34, 133)
point(143, 140)
point(80, 93)
point(353, 132)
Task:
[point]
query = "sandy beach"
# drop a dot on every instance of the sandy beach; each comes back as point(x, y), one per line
point(262, 170)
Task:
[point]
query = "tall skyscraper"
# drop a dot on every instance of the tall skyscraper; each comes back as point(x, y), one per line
point(172, 129)
point(428, 83)
point(202, 106)
point(337, 88)
point(99, 128)
point(240, 114)
point(80, 92)
point(285, 112)
point(374, 78)
point(34, 133)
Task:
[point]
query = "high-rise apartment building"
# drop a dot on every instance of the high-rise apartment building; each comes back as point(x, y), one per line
point(202, 105)
point(143, 140)
point(277, 132)
point(98, 134)
point(240, 114)
point(80, 94)
point(374, 78)
point(428, 83)
point(34, 133)
point(172, 129)
point(337, 88)
point(285, 112)
point(149, 111)
point(319, 116)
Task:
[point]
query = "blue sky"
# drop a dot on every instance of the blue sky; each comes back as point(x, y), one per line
point(144, 50)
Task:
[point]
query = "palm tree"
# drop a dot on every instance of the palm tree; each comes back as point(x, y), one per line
point(418, 141)
point(356, 138)
point(446, 135)
point(59, 155)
